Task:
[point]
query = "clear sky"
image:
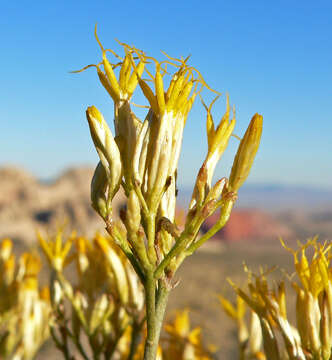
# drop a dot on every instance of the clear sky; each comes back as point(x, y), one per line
point(272, 57)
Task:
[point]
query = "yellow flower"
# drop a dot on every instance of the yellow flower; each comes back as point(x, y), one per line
point(184, 343)
point(246, 153)
point(6, 249)
point(217, 138)
point(55, 251)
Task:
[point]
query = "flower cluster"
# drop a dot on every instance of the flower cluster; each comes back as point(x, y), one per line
point(93, 308)
point(311, 338)
point(142, 158)
point(25, 309)
point(104, 301)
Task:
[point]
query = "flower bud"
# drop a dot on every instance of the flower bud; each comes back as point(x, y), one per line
point(256, 338)
point(313, 316)
point(216, 190)
point(325, 334)
point(217, 138)
point(106, 147)
point(117, 267)
point(57, 293)
point(246, 153)
point(98, 191)
point(98, 313)
point(269, 341)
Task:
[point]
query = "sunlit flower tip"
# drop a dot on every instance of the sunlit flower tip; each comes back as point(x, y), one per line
point(82, 246)
point(9, 270)
point(218, 137)
point(31, 264)
point(80, 301)
point(180, 326)
point(99, 312)
point(106, 147)
point(216, 190)
point(228, 307)
point(235, 312)
point(57, 293)
point(6, 249)
point(255, 338)
point(55, 250)
point(246, 153)
point(159, 355)
point(313, 317)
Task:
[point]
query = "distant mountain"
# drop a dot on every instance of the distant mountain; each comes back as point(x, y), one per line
point(27, 204)
point(276, 197)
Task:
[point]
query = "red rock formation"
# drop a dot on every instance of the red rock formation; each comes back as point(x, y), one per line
point(248, 224)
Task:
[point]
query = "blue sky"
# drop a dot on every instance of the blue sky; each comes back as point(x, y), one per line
point(271, 57)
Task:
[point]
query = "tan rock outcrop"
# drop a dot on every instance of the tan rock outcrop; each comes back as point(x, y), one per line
point(27, 204)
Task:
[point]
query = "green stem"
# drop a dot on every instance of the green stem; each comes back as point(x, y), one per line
point(224, 216)
point(190, 234)
point(151, 232)
point(187, 235)
point(154, 329)
point(150, 299)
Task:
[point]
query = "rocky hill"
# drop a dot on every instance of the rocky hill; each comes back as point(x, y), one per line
point(248, 224)
point(27, 204)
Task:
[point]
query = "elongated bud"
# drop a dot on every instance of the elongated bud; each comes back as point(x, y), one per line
point(136, 293)
point(269, 341)
point(325, 328)
point(246, 153)
point(98, 313)
point(312, 316)
point(217, 138)
point(301, 321)
point(98, 190)
point(116, 265)
point(216, 190)
point(106, 147)
point(133, 218)
point(57, 293)
point(256, 337)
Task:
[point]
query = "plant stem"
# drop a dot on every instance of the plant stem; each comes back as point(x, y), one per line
point(150, 296)
point(224, 216)
point(154, 324)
